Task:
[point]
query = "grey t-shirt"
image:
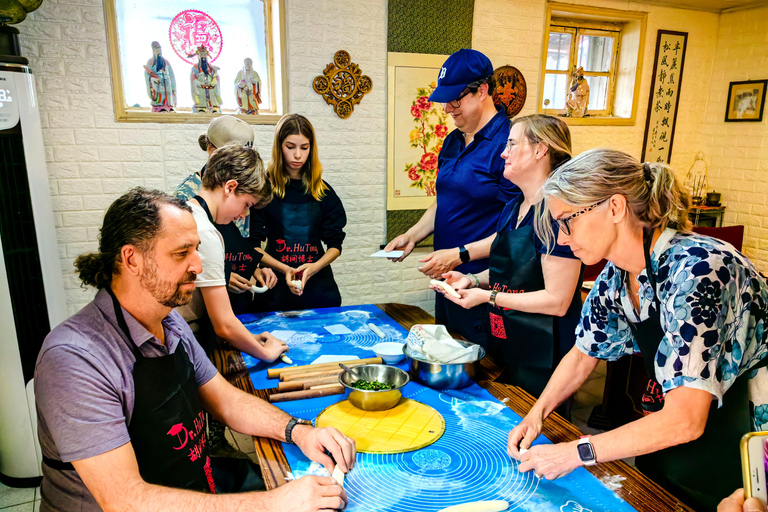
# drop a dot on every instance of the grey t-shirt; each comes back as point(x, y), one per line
point(84, 391)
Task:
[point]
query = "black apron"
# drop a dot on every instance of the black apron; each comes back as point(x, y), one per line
point(704, 471)
point(302, 223)
point(167, 428)
point(529, 345)
point(203, 329)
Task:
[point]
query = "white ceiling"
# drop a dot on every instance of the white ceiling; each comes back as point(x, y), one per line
point(711, 5)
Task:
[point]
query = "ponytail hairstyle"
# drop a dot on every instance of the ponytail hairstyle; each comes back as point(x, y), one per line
point(133, 219)
point(242, 164)
point(655, 198)
point(311, 171)
point(203, 142)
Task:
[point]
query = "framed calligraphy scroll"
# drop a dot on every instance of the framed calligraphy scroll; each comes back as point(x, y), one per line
point(665, 96)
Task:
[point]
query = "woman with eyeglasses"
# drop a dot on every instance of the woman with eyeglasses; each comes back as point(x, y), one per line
point(694, 307)
point(532, 300)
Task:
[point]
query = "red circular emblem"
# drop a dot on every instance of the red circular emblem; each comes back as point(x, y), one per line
point(189, 30)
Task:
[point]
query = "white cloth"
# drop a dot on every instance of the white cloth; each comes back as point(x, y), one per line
point(434, 342)
point(211, 253)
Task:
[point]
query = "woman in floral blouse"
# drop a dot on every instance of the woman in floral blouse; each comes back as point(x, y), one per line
point(694, 307)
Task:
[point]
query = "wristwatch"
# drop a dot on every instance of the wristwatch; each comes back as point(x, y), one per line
point(289, 428)
point(492, 300)
point(586, 451)
point(463, 254)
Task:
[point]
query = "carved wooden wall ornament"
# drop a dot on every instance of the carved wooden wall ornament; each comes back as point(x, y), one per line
point(342, 84)
point(511, 90)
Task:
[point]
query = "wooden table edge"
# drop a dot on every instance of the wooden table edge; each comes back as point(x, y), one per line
point(637, 490)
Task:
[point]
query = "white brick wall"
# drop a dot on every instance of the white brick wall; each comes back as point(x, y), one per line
point(92, 159)
point(737, 153)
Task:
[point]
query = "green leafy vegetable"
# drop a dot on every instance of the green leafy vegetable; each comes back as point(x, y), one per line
point(371, 385)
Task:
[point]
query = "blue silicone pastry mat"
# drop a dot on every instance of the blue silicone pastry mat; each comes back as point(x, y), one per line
point(468, 463)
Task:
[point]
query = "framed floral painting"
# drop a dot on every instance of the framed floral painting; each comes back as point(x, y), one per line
point(416, 130)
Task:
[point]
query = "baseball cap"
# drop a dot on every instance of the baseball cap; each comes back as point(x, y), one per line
point(459, 70)
point(226, 129)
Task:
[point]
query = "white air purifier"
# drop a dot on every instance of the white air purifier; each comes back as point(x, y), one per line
point(32, 299)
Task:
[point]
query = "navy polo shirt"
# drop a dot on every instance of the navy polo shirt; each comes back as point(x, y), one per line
point(471, 188)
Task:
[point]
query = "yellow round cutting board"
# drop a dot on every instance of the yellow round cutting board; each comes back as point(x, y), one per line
point(408, 426)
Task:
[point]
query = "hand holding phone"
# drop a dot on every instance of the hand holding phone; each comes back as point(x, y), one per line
point(736, 503)
point(754, 464)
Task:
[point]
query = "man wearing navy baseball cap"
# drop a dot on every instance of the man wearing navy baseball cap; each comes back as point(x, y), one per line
point(471, 188)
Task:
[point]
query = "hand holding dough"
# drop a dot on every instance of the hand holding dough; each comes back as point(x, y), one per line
point(297, 284)
point(284, 358)
point(479, 506)
point(259, 289)
point(338, 475)
point(445, 286)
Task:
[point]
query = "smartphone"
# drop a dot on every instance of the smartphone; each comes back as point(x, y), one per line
point(754, 465)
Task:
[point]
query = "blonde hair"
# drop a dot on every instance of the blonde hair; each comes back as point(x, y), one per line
point(554, 133)
point(311, 171)
point(655, 198)
point(242, 164)
point(550, 130)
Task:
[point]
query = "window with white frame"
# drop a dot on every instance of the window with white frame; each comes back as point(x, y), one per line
point(578, 44)
point(242, 46)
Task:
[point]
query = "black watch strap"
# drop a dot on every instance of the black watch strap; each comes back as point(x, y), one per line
point(463, 254)
point(289, 428)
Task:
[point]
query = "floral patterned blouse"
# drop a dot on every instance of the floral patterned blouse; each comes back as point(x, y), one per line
point(714, 309)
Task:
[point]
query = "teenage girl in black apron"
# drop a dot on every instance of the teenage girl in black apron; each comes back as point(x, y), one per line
point(305, 214)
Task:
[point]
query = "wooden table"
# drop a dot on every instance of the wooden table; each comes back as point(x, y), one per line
point(637, 490)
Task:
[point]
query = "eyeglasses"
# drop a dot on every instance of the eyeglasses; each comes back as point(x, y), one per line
point(470, 88)
point(512, 143)
point(565, 223)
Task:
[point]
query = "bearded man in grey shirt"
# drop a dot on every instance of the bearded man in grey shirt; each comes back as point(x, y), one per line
point(121, 386)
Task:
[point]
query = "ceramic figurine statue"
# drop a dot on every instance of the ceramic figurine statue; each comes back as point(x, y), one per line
point(696, 179)
point(160, 80)
point(206, 93)
point(578, 95)
point(248, 89)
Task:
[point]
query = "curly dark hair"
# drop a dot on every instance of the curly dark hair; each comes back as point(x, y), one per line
point(133, 219)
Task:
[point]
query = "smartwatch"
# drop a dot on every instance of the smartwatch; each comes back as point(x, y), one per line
point(586, 451)
point(463, 254)
point(290, 426)
point(492, 300)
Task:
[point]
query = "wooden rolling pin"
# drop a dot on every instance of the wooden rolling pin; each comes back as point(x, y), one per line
point(276, 372)
point(310, 375)
point(315, 392)
point(296, 385)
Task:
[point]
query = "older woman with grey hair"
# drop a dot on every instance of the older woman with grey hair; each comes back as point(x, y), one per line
point(694, 307)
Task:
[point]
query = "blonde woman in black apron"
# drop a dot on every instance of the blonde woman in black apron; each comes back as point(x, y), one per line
point(533, 298)
point(694, 307)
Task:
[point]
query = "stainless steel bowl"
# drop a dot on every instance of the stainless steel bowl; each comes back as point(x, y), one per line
point(439, 375)
point(375, 400)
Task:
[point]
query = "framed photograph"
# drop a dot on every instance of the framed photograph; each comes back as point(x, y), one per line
point(746, 101)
